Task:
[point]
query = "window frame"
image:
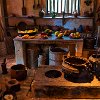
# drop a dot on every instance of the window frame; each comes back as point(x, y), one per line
point(67, 13)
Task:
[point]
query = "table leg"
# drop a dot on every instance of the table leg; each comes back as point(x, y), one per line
point(20, 52)
point(72, 49)
point(79, 49)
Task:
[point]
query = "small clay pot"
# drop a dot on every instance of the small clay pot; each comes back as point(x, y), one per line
point(18, 72)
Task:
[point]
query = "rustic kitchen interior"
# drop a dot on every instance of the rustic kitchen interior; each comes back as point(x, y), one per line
point(49, 49)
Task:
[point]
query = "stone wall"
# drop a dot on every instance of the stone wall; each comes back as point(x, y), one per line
point(15, 7)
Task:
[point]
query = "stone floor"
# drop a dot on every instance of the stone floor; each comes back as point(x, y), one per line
point(25, 85)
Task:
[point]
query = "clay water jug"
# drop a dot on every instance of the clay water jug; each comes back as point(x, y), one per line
point(41, 13)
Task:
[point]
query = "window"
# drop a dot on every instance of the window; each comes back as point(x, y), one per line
point(59, 6)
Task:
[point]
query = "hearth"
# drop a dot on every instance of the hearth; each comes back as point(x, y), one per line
point(46, 85)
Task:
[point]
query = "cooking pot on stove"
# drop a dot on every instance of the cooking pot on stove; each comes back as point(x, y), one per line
point(83, 73)
point(76, 62)
point(18, 72)
point(95, 60)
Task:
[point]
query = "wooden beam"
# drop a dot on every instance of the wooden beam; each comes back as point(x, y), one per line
point(4, 12)
point(5, 21)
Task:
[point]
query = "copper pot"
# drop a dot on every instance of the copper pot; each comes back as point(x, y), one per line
point(18, 72)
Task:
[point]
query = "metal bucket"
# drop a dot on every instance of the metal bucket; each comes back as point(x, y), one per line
point(32, 57)
point(56, 55)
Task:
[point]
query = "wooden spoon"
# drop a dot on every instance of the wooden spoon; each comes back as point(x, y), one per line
point(41, 4)
point(34, 4)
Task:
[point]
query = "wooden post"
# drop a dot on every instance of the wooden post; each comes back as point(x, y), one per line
point(4, 20)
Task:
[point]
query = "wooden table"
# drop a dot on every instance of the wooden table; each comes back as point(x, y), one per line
point(74, 45)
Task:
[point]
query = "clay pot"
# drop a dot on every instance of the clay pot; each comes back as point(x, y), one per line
point(41, 13)
point(18, 72)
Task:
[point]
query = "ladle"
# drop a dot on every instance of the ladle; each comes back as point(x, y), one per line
point(38, 5)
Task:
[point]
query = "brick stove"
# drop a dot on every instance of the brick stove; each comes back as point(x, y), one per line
point(56, 86)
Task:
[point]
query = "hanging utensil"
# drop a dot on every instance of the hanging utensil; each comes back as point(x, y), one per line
point(38, 5)
point(23, 9)
point(42, 3)
point(34, 5)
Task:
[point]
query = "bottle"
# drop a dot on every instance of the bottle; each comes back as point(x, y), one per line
point(3, 65)
point(41, 13)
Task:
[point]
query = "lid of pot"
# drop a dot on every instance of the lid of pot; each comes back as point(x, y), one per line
point(75, 61)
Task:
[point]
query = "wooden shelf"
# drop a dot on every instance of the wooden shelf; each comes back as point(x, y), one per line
point(48, 17)
point(67, 17)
